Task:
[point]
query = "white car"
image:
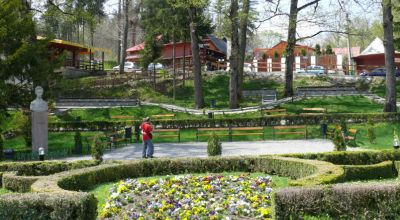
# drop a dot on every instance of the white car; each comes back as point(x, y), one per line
point(158, 66)
point(128, 67)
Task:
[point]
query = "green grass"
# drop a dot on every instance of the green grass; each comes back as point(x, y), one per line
point(101, 191)
point(5, 191)
point(57, 141)
point(383, 132)
point(336, 104)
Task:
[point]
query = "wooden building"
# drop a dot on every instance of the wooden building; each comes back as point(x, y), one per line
point(212, 49)
point(373, 57)
point(279, 49)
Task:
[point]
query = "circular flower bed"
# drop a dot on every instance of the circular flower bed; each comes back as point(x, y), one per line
point(191, 197)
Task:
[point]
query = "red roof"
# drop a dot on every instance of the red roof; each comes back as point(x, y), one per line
point(138, 47)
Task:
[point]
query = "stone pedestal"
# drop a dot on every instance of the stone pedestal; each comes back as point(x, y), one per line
point(39, 121)
point(39, 131)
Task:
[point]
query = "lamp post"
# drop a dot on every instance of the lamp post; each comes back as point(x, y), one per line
point(41, 153)
point(396, 143)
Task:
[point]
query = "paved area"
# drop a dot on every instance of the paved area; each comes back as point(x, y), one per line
point(199, 149)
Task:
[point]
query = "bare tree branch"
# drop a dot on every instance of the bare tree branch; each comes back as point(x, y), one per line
point(307, 5)
point(50, 2)
point(323, 31)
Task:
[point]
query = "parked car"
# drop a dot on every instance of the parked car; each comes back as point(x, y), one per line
point(158, 66)
point(318, 70)
point(128, 67)
point(379, 72)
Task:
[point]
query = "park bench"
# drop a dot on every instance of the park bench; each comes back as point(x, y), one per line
point(326, 91)
point(350, 136)
point(206, 132)
point(163, 117)
point(116, 139)
point(290, 129)
point(314, 111)
point(167, 133)
point(123, 117)
point(247, 131)
point(274, 112)
point(266, 95)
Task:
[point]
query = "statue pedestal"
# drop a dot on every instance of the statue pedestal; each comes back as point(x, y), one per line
point(39, 131)
point(39, 122)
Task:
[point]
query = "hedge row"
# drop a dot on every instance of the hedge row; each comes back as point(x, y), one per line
point(366, 172)
point(305, 172)
point(44, 206)
point(236, 122)
point(341, 201)
point(351, 157)
point(16, 183)
point(43, 168)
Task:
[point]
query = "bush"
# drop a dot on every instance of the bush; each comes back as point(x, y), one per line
point(338, 139)
point(367, 172)
point(214, 146)
point(371, 131)
point(1, 146)
point(351, 158)
point(341, 201)
point(98, 147)
point(78, 142)
point(18, 183)
point(43, 206)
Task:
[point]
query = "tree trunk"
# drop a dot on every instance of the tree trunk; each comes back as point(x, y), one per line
point(390, 103)
point(233, 60)
point(290, 48)
point(136, 10)
point(198, 85)
point(125, 40)
point(119, 34)
point(184, 62)
point(242, 44)
point(173, 66)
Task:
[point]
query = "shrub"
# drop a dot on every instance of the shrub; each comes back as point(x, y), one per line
point(367, 172)
point(1, 146)
point(371, 131)
point(26, 129)
point(98, 147)
point(214, 146)
point(61, 205)
point(78, 142)
point(342, 201)
point(338, 139)
point(18, 183)
point(352, 157)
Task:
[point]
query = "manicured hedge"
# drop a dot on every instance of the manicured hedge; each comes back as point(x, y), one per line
point(366, 172)
point(351, 157)
point(44, 206)
point(236, 122)
point(18, 183)
point(43, 168)
point(306, 172)
point(341, 201)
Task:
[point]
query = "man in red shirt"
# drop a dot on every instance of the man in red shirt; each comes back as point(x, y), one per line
point(148, 147)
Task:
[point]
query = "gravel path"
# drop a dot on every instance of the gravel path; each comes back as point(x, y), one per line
point(199, 149)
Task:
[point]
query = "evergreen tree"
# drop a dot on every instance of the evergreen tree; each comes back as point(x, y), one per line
point(318, 50)
point(329, 50)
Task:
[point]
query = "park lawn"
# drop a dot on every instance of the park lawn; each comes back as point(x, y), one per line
point(57, 141)
point(335, 104)
point(101, 191)
point(383, 133)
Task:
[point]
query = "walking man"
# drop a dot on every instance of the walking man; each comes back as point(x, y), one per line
point(148, 147)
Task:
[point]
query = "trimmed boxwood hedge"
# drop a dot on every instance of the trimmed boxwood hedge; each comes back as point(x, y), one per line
point(44, 206)
point(341, 201)
point(305, 172)
point(18, 183)
point(366, 172)
point(231, 122)
point(351, 157)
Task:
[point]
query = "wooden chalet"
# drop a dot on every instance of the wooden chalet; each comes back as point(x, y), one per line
point(279, 49)
point(212, 50)
point(374, 57)
point(78, 56)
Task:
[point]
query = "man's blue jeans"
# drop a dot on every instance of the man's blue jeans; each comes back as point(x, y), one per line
point(148, 148)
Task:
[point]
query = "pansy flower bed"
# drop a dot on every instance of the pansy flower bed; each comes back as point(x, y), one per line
point(191, 197)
